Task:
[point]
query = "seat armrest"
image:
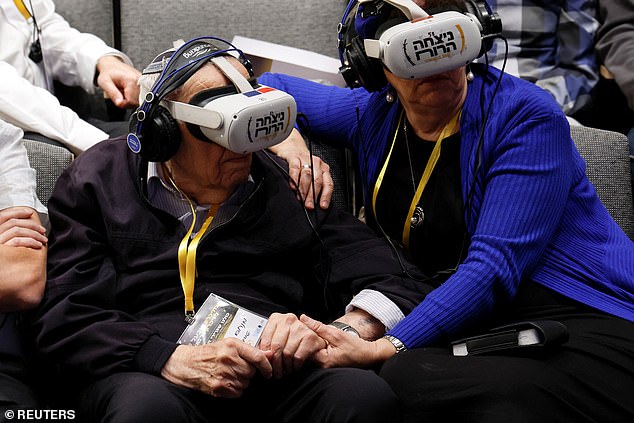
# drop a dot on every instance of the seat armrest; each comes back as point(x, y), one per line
point(49, 159)
point(608, 168)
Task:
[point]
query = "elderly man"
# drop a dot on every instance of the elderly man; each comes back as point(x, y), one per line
point(125, 227)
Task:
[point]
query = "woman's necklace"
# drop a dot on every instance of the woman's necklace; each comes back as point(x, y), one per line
point(415, 215)
point(418, 216)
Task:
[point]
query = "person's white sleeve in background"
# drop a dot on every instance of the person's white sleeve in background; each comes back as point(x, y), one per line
point(17, 178)
point(34, 109)
point(70, 56)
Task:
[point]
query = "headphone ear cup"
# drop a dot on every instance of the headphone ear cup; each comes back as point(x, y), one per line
point(491, 22)
point(161, 136)
point(366, 71)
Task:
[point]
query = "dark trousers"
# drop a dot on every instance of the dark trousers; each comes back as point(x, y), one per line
point(334, 395)
point(588, 379)
point(14, 392)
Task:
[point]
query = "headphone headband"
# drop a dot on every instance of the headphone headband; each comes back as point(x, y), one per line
point(410, 9)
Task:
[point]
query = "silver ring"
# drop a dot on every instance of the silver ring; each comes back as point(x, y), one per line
point(305, 166)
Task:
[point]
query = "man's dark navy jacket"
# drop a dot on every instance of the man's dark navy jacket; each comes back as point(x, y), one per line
point(114, 300)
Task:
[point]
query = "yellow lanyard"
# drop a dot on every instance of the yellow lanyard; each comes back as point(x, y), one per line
point(187, 254)
point(429, 168)
point(22, 8)
point(187, 261)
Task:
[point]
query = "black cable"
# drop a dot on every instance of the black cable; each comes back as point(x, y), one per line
point(384, 235)
point(116, 27)
point(35, 51)
point(325, 264)
point(295, 186)
point(485, 115)
point(304, 128)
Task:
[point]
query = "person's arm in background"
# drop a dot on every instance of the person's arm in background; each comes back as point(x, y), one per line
point(81, 59)
point(576, 54)
point(22, 236)
point(26, 98)
point(118, 80)
point(22, 259)
point(615, 43)
point(550, 44)
point(35, 109)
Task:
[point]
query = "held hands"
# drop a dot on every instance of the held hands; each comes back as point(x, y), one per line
point(221, 369)
point(346, 350)
point(20, 227)
point(225, 368)
point(288, 343)
point(118, 80)
point(294, 151)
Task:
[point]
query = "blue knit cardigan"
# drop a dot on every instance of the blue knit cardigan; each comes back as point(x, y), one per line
point(533, 214)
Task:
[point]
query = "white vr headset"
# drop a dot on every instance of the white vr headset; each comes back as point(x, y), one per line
point(427, 44)
point(250, 120)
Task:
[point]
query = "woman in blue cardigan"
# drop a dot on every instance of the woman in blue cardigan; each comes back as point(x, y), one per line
point(474, 174)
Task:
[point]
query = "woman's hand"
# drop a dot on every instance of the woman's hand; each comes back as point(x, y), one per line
point(347, 350)
point(293, 149)
point(288, 343)
point(221, 369)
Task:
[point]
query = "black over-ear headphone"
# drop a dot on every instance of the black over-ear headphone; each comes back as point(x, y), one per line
point(154, 133)
point(412, 45)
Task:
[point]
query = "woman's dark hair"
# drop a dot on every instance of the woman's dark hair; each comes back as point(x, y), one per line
point(436, 6)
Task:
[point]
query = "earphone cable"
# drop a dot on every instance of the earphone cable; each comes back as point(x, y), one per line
point(480, 144)
point(325, 277)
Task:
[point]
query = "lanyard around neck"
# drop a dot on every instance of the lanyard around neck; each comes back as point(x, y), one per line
point(187, 253)
point(431, 163)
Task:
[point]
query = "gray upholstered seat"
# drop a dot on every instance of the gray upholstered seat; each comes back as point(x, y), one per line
point(49, 161)
point(149, 26)
point(607, 166)
point(93, 16)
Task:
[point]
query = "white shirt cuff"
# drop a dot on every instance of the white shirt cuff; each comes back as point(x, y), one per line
point(379, 306)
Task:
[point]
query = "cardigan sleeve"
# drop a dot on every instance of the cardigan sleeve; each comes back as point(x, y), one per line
point(332, 112)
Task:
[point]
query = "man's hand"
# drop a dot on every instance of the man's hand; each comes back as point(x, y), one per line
point(288, 343)
point(221, 369)
point(347, 350)
point(118, 80)
point(20, 227)
point(293, 149)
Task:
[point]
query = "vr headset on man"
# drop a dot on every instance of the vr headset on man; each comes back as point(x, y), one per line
point(243, 117)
